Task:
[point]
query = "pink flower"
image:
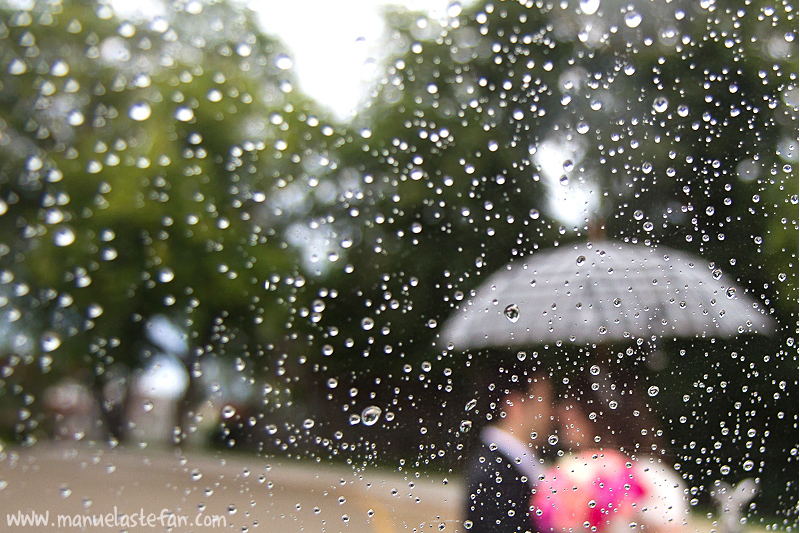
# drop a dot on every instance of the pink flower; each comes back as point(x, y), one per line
point(588, 490)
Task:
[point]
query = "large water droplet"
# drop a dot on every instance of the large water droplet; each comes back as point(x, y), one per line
point(140, 111)
point(50, 341)
point(660, 104)
point(633, 19)
point(184, 114)
point(370, 415)
point(511, 312)
point(284, 62)
point(589, 7)
point(63, 237)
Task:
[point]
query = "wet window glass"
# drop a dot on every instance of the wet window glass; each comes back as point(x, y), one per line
point(480, 266)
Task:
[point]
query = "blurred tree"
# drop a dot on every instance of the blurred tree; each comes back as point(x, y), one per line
point(135, 160)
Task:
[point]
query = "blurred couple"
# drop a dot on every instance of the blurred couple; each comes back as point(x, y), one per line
point(606, 476)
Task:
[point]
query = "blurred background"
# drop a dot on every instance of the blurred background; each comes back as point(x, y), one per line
point(241, 227)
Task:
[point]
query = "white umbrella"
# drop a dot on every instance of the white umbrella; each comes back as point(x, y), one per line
point(601, 292)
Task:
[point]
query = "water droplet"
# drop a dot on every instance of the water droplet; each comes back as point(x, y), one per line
point(466, 425)
point(228, 411)
point(50, 341)
point(184, 114)
point(63, 236)
point(638, 214)
point(471, 404)
point(196, 475)
point(748, 465)
point(534, 214)
point(65, 492)
point(147, 406)
point(214, 95)
point(581, 260)
point(660, 104)
point(633, 19)
point(612, 404)
point(731, 293)
point(140, 111)
point(594, 370)
point(370, 415)
point(367, 324)
point(653, 391)
point(308, 423)
point(512, 312)
point(75, 118)
point(648, 226)
point(17, 67)
point(589, 7)
point(552, 440)
point(271, 429)
point(333, 383)
point(284, 62)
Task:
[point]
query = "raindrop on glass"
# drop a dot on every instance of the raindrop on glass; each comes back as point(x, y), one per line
point(660, 104)
point(63, 237)
point(284, 62)
point(140, 111)
point(184, 114)
point(633, 19)
point(50, 341)
point(589, 7)
point(511, 312)
point(370, 415)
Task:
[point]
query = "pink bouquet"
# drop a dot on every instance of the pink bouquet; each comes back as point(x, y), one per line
point(590, 490)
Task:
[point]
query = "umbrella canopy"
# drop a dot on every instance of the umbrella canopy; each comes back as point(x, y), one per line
point(602, 292)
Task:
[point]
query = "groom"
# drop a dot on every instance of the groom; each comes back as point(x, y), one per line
point(504, 469)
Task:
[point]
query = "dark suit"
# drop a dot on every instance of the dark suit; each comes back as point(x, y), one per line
point(498, 494)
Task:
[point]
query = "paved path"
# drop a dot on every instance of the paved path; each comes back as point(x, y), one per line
point(204, 492)
point(197, 492)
